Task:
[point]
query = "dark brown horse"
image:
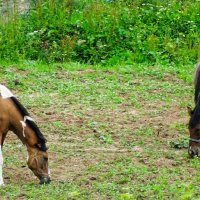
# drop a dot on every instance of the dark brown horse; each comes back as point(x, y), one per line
point(14, 117)
point(194, 122)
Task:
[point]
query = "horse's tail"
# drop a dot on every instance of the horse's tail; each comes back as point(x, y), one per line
point(41, 145)
point(197, 82)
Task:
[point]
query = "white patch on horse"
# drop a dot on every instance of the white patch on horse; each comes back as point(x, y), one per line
point(27, 157)
point(5, 92)
point(1, 167)
point(24, 123)
point(49, 172)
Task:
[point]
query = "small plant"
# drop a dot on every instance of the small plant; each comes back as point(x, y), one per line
point(179, 144)
point(106, 138)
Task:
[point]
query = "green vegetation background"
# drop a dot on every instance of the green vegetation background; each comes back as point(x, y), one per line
point(102, 31)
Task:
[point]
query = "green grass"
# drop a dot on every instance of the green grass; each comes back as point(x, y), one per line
point(110, 131)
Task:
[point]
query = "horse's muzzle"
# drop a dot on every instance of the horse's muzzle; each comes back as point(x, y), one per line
point(194, 152)
point(45, 180)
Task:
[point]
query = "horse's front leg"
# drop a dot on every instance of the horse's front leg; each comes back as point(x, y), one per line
point(2, 138)
point(1, 166)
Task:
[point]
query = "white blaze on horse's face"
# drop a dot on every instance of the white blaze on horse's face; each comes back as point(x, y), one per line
point(27, 157)
point(49, 172)
point(1, 167)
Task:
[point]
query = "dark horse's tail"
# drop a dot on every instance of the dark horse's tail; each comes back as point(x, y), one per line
point(41, 140)
point(197, 82)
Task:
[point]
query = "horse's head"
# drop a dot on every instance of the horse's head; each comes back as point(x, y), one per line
point(38, 162)
point(194, 131)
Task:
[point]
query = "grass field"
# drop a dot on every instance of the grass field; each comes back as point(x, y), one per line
point(111, 132)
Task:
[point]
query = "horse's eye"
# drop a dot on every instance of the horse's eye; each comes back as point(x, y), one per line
point(197, 131)
point(31, 168)
point(45, 158)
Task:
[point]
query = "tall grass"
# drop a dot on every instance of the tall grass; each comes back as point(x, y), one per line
point(102, 31)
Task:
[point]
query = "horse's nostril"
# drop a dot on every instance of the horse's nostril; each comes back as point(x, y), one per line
point(191, 152)
point(45, 180)
point(195, 151)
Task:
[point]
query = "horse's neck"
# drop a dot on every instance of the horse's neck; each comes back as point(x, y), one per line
point(24, 133)
point(27, 136)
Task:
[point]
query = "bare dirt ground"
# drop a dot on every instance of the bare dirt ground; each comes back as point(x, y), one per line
point(86, 139)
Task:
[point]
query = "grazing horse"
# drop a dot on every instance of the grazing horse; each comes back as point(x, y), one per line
point(194, 122)
point(14, 117)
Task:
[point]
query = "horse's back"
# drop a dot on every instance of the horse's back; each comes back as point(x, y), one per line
point(5, 92)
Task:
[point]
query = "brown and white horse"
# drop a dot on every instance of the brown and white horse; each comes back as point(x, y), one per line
point(14, 117)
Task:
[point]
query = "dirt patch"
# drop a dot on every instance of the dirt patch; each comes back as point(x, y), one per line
point(164, 162)
point(90, 143)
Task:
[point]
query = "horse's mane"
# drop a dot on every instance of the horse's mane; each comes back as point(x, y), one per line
point(194, 120)
point(197, 82)
point(41, 140)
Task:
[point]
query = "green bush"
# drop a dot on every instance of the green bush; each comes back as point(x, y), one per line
point(109, 31)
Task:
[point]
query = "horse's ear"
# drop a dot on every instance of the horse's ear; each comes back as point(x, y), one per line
point(190, 111)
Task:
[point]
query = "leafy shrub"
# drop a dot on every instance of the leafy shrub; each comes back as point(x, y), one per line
point(106, 31)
